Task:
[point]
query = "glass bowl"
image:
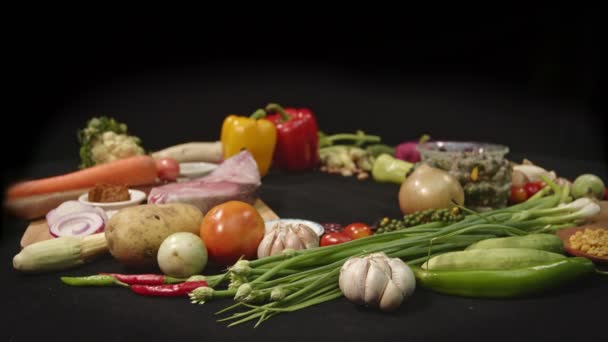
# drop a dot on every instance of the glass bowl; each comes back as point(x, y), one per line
point(481, 168)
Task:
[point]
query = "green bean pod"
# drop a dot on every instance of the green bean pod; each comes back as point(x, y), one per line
point(504, 283)
point(490, 259)
point(545, 242)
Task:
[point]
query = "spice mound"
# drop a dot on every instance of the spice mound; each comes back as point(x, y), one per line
point(591, 241)
point(107, 193)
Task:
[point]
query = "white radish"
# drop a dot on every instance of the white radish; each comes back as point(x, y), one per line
point(210, 152)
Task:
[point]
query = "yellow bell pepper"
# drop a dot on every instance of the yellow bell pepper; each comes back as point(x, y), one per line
point(254, 133)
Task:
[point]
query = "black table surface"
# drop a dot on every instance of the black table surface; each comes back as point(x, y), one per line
point(41, 307)
point(526, 79)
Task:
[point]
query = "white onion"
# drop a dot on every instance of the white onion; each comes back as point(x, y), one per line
point(429, 188)
point(78, 224)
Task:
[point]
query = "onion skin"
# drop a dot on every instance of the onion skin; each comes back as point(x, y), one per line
point(429, 188)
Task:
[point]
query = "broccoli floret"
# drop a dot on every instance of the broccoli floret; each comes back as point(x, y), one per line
point(104, 140)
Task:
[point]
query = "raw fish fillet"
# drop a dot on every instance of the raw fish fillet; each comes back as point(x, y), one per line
point(237, 178)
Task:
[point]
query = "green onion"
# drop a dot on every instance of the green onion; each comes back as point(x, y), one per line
point(284, 283)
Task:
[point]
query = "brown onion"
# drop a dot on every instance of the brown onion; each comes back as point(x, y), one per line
point(429, 188)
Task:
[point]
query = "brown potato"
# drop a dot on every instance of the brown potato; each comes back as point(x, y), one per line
point(134, 234)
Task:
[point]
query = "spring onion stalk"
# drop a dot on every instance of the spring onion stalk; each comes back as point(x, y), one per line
point(295, 280)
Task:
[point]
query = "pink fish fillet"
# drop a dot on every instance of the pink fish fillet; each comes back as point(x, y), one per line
point(237, 178)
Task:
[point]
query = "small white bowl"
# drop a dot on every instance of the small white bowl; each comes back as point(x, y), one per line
point(136, 198)
point(313, 225)
point(193, 170)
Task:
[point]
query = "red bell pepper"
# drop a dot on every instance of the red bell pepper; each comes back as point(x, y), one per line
point(297, 147)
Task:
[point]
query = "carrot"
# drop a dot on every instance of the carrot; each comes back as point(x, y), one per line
point(138, 170)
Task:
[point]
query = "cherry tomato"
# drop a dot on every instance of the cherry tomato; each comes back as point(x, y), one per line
point(518, 195)
point(231, 230)
point(533, 187)
point(168, 169)
point(334, 238)
point(357, 230)
point(606, 194)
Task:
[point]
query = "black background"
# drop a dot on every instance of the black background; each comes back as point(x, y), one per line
point(525, 77)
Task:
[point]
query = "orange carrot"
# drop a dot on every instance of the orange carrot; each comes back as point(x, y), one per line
point(138, 170)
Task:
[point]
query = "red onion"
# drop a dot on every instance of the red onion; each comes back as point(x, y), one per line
point(408, 150)
point(70, 207)
point(78, 224)
point(331, 227)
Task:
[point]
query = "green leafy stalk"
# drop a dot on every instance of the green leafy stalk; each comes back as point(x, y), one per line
point(357, 139)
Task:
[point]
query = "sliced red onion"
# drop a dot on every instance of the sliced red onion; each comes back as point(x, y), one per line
point(77, 224)
point(70, 207)
point(102, 213)
point(67, 207)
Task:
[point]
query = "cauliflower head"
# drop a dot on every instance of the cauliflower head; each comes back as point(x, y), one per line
point(105, 140)
point(112, 146)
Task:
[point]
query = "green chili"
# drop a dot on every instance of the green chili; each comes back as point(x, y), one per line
point(509, 283)
point(94, 280)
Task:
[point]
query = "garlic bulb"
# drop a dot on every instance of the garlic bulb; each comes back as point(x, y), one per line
point(377, 281)
point(287, 236)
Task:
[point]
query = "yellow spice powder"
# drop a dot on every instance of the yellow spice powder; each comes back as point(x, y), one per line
point(591, 241)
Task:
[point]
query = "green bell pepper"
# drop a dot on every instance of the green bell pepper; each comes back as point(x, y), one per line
point(389, 169)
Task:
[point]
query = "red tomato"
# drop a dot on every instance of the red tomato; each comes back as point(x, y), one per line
point(334, 238)
point(606, 194)
point(168, 169)
point(518, 195)
point(357, 230)
point(231, 230)
point(533, 187)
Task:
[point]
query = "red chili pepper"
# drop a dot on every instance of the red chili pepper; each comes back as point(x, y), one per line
point(173, 290)
point(297, 147)
point(144, 279)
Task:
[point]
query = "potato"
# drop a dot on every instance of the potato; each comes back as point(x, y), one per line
point(135, 234)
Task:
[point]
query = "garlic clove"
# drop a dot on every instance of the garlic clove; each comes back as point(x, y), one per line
point(266, 243)
point(308, 236)
point(375, 283)
point(352, 279)
point(402, 276)
point(391, 298)
point(278, 245)
point(381, 260)
point(292, 240)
